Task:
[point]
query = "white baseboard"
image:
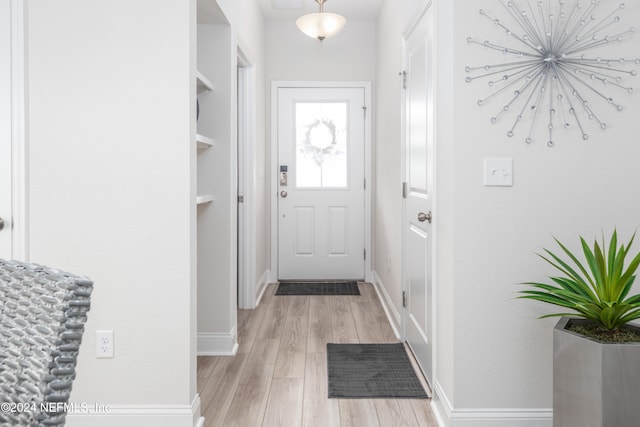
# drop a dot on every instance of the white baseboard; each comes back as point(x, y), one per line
point(272, 277)
point(262, 285)
point(104, 415)
point(217, 343)
point(392, 312)
point(447, 416)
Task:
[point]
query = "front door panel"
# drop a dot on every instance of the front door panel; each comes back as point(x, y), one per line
point(321, 183)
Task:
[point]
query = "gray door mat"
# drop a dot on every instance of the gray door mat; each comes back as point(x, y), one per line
point(318, 288)
point(370, 371)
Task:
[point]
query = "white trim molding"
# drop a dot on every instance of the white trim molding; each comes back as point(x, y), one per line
point(247, 181)
point(448, 416)
point(394, 316)
point(218, 343)
point(13, 149)
point(19, 166)
point(103, 415)
point(262, 286)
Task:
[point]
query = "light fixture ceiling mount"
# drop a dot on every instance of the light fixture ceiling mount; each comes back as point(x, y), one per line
point(321, 25)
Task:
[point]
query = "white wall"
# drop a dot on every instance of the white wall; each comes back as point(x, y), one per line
point(111, 193)
point(444, 368)
point(493, 360)
point(293, 56)
point(574, 188)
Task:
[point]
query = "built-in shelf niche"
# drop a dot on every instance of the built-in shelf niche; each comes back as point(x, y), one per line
point(203, 83)
point(204, 199)
point(213, 81)
point(204, 142)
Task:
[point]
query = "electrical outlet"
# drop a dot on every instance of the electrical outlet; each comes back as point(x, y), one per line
point(104, 344)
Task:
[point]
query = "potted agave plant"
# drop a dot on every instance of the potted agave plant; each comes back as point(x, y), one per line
point(596, 367)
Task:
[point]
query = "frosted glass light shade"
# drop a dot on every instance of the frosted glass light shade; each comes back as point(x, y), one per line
point(321, 25)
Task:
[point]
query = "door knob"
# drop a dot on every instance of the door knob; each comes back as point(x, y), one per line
point(1, 224)
point(422, 217)
point(283, 193)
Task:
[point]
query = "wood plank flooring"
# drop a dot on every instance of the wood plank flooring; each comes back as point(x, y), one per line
point(279, 376)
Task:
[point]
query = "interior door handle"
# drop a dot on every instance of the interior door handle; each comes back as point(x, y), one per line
point(1, 224)
point(422, 217)
point(283, 193)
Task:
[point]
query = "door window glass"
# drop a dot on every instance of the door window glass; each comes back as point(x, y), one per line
point(321, 144)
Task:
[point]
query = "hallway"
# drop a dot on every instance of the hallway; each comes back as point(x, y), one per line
point(278, 377)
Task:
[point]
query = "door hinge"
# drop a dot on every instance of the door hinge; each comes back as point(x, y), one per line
point(240, 199)
point(365, 254)
point(404, 299)
point(404, 79)
point(364, 110)
point(365, 183)
point(405, 190)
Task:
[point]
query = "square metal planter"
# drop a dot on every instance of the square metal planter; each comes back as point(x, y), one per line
point(594, 384)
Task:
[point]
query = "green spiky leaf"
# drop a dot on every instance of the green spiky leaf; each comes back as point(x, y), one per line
point(595, 288)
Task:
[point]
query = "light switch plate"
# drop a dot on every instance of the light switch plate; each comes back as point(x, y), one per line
point(498, 172)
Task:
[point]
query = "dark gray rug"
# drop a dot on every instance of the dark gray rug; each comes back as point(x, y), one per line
point(318, 288)
point(372, 371)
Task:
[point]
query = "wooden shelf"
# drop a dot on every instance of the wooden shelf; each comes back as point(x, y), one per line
point(204, 141)
point(201, 200)
point(204, 84)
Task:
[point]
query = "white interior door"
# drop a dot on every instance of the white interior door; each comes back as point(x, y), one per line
point(418, 191)
point(5, 129)
point(321, 185)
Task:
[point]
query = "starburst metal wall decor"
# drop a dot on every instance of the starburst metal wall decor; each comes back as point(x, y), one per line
point(554, 70)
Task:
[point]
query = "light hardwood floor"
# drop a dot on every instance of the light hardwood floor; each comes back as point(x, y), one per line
point(279, 376)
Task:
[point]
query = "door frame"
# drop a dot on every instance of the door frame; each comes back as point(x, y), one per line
point(16, 118)
point(432, 174)
point(246, 249)
point(273, 164)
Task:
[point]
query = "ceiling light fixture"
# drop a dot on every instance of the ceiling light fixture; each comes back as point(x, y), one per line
point(321, 25)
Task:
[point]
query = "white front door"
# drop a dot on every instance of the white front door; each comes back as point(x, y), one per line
point(418, 190)
point(321, 183)
point(5, 129)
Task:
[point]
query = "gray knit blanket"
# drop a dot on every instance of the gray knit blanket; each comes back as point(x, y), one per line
point(42, 316)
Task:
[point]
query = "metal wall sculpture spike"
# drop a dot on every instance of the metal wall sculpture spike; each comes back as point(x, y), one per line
point(556, 70)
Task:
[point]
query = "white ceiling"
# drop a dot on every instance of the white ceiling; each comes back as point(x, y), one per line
point(356, 10)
